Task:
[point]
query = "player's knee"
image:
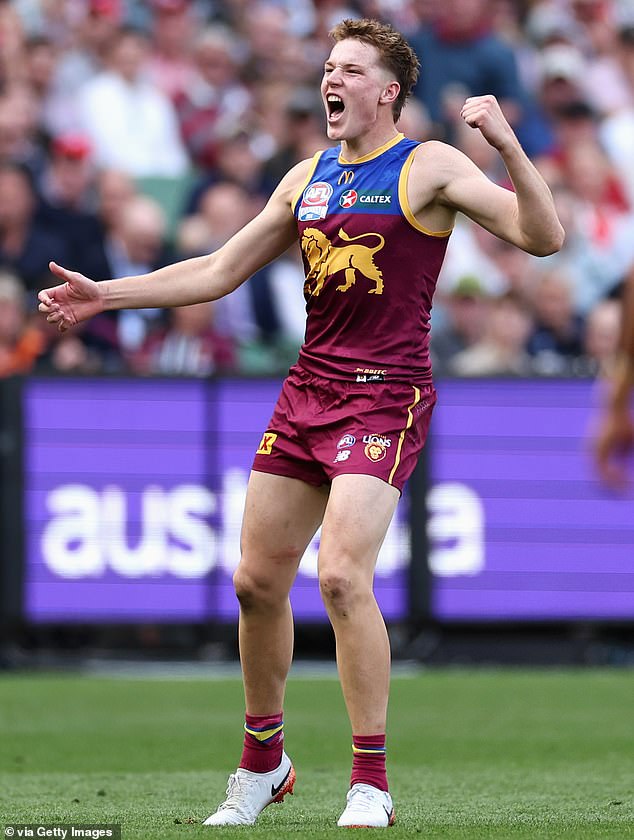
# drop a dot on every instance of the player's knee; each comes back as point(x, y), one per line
point(338, 590)
point(254, 591)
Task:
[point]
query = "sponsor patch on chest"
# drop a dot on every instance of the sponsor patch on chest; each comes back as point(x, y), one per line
point(314, 205)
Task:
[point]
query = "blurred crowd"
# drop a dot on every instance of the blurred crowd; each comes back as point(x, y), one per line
point(137, 132)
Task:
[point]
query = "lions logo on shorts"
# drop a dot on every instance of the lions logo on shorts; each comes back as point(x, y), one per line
point(376, 447)
point(375, 451)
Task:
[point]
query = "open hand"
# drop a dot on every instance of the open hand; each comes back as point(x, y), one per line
point(484, 113)
point(77, 299)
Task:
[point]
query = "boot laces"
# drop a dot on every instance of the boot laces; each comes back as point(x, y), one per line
point(238, 790)
point(364, 799)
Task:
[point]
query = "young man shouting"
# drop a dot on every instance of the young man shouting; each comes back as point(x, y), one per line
point(373, 217)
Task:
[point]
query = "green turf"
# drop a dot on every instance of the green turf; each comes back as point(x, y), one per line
point(472, 754)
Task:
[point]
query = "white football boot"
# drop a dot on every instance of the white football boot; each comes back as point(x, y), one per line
point(367, 807)
point(249, 793)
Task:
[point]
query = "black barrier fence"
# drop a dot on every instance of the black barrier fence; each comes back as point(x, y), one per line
point(11, 484)
point(122, 501)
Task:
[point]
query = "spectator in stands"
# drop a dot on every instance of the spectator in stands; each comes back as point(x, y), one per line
point(215, 102)
point(225, 207)
point(286, 286)
point(54, 20)
point(617, 130)
point(26, 245)
point(114, 191)
point(238, 162)
point(517, 273)
point(459, 46)
point(135, 244)
point(302, 133)
point(266, 33)
point(597, 186)
point(414, 121)
point(67, 193)
point(170, 66)
point(249, 314)
point(97, 347)
point(39, 67)
point(19, 139)
point(467, 308)
point(83, 353)
point(20, 342)
point(11, 45)
point(561, 81)
point(97, 26)
point(502, 349)
point(557, 337)
point(601, 339)
point(132, 126)
point(188, 345)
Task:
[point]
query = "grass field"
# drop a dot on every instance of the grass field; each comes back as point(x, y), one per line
point(471, 754)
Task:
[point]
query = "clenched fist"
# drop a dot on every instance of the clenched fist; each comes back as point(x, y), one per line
point(484, 113)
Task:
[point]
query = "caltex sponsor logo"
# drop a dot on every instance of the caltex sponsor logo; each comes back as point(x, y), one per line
point(348, 198)
point(367, 197)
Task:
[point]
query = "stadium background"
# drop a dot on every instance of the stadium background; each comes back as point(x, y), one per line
point(136, 133)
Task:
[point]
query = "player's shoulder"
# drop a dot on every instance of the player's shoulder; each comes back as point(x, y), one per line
point(435, 151)
point(437, 160)
point(297, 179)
point(304, 168)
point(297, 176)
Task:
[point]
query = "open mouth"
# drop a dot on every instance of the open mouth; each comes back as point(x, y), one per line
point(335, 107)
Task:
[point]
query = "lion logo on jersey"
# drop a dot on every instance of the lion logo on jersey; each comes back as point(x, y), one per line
point(326, 260)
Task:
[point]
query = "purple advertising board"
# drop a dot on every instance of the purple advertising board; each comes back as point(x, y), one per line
point(520, 526)
point(134, 492)
point(133, 498)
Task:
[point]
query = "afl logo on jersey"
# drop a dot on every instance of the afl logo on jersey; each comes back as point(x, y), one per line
point(348, 198)
point(314, 204)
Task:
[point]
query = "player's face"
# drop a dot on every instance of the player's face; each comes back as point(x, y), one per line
point(353, 83)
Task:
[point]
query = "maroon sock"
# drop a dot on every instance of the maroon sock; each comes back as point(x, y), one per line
point(368, 761)
point(263, 742)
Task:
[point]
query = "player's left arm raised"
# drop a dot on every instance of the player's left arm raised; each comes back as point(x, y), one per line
point(527, 217)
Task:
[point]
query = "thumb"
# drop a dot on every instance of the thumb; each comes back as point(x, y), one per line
point(63, 273)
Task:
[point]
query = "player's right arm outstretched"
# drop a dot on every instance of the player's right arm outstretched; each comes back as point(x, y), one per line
point(191, 281)
point(615, 439)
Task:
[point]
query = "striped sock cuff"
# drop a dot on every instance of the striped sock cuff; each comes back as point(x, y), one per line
point(368, 761)
point(368, 751)
point(264, 733)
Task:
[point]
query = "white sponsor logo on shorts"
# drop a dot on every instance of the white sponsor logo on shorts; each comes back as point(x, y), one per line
point(342, 456)
point(378, 439)
point(346, 441)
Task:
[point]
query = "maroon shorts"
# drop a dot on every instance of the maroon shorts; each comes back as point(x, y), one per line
point(322, 428)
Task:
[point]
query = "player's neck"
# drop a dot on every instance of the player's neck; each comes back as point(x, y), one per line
point(354, 148)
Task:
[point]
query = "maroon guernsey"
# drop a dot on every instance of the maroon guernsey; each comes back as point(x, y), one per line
point(371, 268)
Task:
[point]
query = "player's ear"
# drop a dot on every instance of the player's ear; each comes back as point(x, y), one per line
point(390, 93)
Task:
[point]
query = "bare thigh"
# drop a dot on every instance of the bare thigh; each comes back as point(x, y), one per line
point(281, 517)
point(358, 514)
